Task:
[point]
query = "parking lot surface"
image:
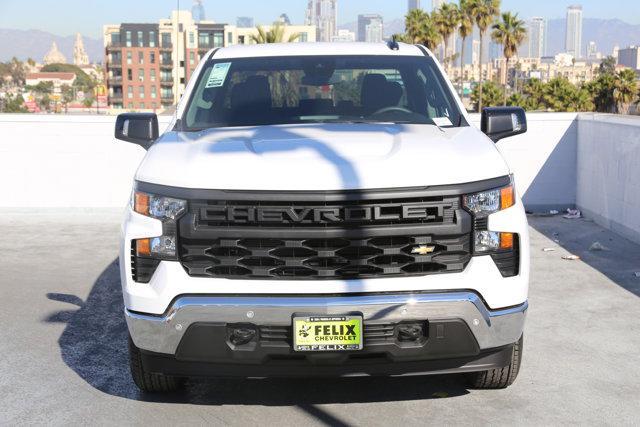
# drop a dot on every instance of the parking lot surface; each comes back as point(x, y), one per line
point(64, 360)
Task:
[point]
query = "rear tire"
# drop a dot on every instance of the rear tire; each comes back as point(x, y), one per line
point(150, 382)
point(501, 377)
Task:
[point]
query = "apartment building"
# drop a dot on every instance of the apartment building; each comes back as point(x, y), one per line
point(147, 66)
point(630, 57)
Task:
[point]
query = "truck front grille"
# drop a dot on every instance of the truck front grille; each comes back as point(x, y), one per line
point(324, 235)
point(325, 258)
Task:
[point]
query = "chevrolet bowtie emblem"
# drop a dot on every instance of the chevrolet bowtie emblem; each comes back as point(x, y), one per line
point(423, 250)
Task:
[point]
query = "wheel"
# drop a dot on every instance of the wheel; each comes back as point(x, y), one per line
point(150, 382)
point(501, 377)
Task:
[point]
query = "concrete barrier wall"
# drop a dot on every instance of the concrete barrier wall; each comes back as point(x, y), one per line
point(543, 160)
point(608, 184)
point(50, 161)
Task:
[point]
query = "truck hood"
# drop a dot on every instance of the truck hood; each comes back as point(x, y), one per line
point(321, 157)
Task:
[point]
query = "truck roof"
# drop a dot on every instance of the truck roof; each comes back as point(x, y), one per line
point(303, 49)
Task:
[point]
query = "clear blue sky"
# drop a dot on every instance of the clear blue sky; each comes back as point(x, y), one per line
point(66, 17)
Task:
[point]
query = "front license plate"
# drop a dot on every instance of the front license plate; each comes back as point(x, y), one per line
point(327, 333)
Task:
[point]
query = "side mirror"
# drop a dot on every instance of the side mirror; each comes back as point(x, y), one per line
point(139, 128)
point(502, 122)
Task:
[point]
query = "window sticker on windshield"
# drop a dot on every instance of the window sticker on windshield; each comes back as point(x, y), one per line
point(218, 74)
point(442, 121)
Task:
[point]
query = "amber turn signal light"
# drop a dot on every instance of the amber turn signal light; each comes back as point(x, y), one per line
point(141, 203)
point(143, 247)
point(506, 197)
point(506, 240)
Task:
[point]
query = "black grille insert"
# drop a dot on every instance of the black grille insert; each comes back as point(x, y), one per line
point(293, 258)
point(367, 234)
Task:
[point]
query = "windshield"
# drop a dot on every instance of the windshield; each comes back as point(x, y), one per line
point(320, 89)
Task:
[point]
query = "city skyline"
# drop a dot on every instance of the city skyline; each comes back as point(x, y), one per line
point(12, 12)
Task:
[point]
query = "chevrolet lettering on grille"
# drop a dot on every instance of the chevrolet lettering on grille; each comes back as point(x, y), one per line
point(333, 214)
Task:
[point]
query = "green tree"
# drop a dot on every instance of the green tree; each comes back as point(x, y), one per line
point(581, 100)
point(533, 92)
point(626, 90)
point(517, 100)
point(608, 65)
point(14, 104)
point(602, 90)
point(484, 12)
point(83, 81)
point(465, 29)
point(16, 70)
point(401, 38)
point(430, 36)
point(491, 94)
point(421, 29)
point(44, 102)
point(413, 22)
point(67, 93)
point(509, 32)
point(88, 102)
point(561, 95)
point(274, 35)
point(447, 19)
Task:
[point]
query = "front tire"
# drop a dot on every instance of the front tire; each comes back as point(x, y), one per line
point(501, 377)
point(150, 382)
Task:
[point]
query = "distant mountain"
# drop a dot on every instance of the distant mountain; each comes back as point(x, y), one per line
point(35, 44)
point(605, 32)
point(390, 27)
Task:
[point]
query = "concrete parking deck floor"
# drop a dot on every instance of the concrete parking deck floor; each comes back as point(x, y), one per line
point(63, 342)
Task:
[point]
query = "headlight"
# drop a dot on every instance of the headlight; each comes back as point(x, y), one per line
point(158, 207)
point(491, 241)
point(491, 201)
point(166, 209)
point(485, 242)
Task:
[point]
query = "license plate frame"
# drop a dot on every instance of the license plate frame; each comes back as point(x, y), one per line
point(338, 326)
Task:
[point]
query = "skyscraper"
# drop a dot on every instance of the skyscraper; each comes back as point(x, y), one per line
point(197, 11)
point(537, 37)
point(324, 15)
point(592, 50)
point(573, 40)
point(370, 28)
point(413, 4)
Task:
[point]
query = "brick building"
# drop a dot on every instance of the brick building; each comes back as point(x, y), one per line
point(148, 65)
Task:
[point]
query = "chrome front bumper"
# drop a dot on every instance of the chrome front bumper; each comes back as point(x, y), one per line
point(491, 328)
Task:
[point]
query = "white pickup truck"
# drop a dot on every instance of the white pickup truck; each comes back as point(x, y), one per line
point(323, 210)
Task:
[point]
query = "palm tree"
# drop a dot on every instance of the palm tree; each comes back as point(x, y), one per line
point(421, 29)
point(509, 32)
point(447, 20)
point(465, 29)
point(430, 36)
point(484, 13)
point(274, 35)
point(534, 92)
point(626, 90)
point(581, 100)
point(413, 23)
